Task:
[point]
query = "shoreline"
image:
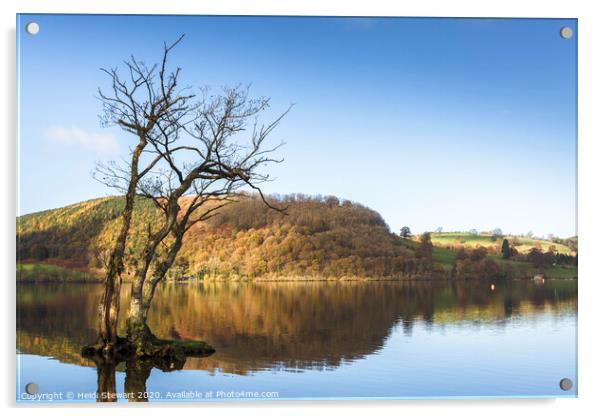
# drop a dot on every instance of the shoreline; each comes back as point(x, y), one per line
point(58, 274)
point(311, 280)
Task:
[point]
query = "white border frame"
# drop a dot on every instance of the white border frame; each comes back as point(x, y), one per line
point(589, 208)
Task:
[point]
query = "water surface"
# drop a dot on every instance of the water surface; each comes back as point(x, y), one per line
point(316, 340)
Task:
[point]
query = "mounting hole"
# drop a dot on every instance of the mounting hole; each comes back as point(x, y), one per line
point(32, 28)
point(31, 388)
point(566, 384)
point(566, 32)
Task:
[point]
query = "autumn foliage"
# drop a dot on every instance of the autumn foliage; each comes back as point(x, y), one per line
point(315, 236)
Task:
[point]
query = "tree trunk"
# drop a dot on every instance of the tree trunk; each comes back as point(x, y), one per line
point(138, 332)
point(143, 291)
point(108, 309)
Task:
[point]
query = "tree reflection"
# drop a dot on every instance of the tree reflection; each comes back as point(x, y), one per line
point(137, 372)
point(106, 387)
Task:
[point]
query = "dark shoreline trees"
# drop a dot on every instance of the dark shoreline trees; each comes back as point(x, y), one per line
point(405, 232)
point(506, 251)
point(425, 248)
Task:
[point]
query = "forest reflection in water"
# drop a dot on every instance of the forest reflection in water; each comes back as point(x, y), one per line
point(292, 326)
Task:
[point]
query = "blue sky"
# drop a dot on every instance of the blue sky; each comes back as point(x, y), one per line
point(453, 123)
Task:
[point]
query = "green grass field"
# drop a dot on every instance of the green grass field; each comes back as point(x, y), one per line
point(48, 273)
point(441, 255)
point(561, 272)
point(445, 258)
point(523, 245)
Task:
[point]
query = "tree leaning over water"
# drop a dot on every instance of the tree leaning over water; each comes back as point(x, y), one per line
point(199, 162)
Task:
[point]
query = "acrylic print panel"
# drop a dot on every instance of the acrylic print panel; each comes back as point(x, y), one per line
point(269, 208)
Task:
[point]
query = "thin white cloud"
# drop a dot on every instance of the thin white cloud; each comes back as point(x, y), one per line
point(75, 136)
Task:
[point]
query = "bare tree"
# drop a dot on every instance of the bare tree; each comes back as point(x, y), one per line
point(141, 103)
point(199, 152)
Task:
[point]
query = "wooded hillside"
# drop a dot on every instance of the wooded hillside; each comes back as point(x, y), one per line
point(316, 236)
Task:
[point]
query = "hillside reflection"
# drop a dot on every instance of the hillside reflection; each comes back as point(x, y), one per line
point(288, 326)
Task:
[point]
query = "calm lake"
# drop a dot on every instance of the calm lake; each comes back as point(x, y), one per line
point(316, 340)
